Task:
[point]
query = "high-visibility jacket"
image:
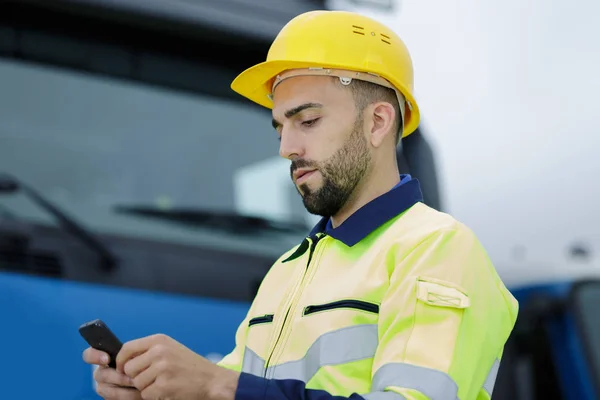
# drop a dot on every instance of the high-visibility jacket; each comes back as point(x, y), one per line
point(399, 302)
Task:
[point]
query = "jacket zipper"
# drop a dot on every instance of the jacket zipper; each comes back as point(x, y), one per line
point(261, 320)
point(354, 304)
point(312, 248)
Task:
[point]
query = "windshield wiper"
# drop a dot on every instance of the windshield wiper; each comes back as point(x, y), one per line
point(9, 184)
point(231, 222)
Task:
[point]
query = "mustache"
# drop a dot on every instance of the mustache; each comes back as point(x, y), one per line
point(302, 164)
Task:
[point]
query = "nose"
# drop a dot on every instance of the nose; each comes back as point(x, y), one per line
point(291, 146)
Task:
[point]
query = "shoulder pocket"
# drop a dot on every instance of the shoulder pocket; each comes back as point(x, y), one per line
point(435, 292)
point(439, 310)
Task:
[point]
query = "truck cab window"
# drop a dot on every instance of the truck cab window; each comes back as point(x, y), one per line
point(136, 134)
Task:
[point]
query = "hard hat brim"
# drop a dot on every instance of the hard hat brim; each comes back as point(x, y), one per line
point(255, 84)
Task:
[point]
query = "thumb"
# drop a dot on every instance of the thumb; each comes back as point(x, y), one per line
point(95, 357)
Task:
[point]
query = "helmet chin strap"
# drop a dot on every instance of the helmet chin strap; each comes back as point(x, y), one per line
point(345, 78)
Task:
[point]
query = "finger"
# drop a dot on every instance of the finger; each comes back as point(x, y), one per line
point(111, 392)
point(136, 347)
point(140, 363)
point(145, 379)
point(111, 376)
point(133, 349)
point(95, 357)
point(153, 391)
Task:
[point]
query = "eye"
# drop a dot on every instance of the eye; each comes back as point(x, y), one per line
point(310, 122)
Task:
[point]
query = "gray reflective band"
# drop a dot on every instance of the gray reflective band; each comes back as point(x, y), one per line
point(342, 346)
point(488, 386)
point(383, 396)
point(355, 343)
point(252, 363)
point(434, 384)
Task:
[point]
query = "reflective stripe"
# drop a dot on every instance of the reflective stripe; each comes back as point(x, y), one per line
point(336, 347)
point(434, 384)
point(383, 396)
point(252, 363)
point(357, 343)
point(490, 381)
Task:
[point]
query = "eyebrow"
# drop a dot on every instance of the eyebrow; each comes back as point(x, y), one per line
point(293, 111)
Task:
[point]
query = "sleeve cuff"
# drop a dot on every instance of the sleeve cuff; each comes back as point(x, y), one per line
point(251, 387)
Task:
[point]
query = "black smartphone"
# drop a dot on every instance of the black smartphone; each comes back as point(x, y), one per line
point(100, 337)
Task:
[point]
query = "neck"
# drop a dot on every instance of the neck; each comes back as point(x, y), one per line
point(380, 180)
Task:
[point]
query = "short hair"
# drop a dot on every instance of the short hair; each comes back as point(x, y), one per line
point(366, 93)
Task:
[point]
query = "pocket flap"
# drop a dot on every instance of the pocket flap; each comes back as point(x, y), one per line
point(441, 294)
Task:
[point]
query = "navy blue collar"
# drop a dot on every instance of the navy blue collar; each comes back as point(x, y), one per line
point(374, 214)
point(369, 217)
point(403, 179)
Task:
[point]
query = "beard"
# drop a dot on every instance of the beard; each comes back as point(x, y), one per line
point(341, 173)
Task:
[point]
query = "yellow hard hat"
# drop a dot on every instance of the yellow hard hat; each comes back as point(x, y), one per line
point(336, 43)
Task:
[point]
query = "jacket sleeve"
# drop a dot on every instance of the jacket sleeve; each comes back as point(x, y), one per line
point(443, 324)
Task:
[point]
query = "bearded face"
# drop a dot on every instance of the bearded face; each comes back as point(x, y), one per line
point(340, 175)
point(322, 132)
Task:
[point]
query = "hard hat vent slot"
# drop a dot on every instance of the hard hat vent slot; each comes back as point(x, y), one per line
point(358, 29)
point(386, 39)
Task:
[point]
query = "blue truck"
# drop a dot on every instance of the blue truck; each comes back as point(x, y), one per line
point(117, 151)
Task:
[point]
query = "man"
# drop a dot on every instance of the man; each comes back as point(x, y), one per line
point(386, 298)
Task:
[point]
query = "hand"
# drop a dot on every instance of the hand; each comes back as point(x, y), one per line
point(110, 383)
point(162, 368)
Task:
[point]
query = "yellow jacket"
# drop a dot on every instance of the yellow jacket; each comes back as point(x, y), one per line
point(399, 302)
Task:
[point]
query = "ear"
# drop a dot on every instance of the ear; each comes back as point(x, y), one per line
point(383, 115)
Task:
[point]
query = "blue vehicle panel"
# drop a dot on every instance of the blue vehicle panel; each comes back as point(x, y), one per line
point(42, 346)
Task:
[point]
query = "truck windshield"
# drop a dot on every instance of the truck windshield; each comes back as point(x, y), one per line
point(89, 143)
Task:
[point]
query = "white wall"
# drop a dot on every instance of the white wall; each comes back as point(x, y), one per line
point(509, 95)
